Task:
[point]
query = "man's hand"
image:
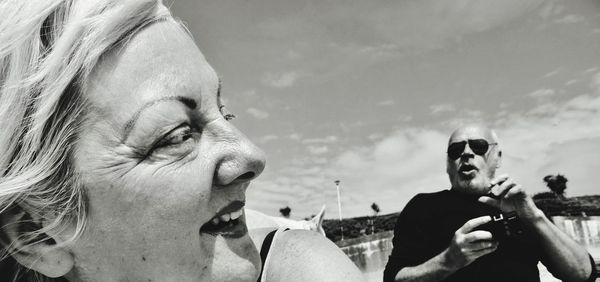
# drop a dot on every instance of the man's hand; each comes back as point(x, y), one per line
point(468, 245)
point(508, 196)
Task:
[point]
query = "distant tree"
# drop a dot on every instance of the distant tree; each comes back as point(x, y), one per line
point(375, 209)
point(544, 196)
point(557, 184)
point(285, 212)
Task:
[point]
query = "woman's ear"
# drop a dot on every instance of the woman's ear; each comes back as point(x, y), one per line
point(42, 255)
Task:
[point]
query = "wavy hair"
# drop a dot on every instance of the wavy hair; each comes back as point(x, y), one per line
point(48, 48)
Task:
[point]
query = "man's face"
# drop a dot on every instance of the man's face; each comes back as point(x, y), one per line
point(472, 170)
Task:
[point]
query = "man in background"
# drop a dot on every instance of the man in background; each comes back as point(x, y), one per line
point(439, 236)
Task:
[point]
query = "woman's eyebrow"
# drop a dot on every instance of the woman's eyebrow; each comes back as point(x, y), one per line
point(188, 102)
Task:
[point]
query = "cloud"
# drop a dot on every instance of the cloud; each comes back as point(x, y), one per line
point(350, 33)
point(267, 138)
point(548, 139)
point(295, 136)
point(571, 82)
point(552, 73)
point(595, 83)
point(386, 103)
point(280, 80)
point(570, 19)
point(329, 139)
point(257, 114)
point(541, 93)
point(441, 108)
point(318, 150)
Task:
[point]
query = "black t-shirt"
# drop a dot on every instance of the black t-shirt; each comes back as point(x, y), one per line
point(427, 224)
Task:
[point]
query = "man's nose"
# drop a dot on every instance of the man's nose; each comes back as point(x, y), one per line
point(237, 159)
point(467, 152)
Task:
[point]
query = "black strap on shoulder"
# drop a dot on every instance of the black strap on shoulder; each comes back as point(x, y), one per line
point(264, 250)
point(594, 273)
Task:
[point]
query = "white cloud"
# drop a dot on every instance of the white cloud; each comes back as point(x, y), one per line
point(552, 73)
point(295, 136)
point(268, 138)
point(293, 55)
point(571, 82)
point(541, 93)
point(257, 114)
point(318, 150)
point(549, 139)
point(441, 108)
point(392, 27)
point(381, 51)
point(280, 80)
point(595, 84)
point(327, 140)
point(386, 103)
point(570, 19)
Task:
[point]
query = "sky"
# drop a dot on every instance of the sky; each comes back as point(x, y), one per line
point(367, 92)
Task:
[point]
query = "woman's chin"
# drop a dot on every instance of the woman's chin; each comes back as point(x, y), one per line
point(235, 259)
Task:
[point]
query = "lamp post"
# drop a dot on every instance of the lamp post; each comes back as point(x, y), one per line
point(337, 186)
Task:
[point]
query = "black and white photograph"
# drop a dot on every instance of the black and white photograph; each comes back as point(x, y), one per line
point(304, 140)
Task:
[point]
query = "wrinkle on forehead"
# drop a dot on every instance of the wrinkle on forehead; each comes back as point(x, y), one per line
point(473, 131)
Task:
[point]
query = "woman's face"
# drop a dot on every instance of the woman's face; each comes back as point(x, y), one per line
point(160, 164)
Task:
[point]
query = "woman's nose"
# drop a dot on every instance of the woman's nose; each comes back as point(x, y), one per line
point(238, 160)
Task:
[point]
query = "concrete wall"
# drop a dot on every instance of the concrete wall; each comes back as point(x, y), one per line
point(585, 230)
point(370, 253)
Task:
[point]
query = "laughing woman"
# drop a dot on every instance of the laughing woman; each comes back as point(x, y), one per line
point(118, 162)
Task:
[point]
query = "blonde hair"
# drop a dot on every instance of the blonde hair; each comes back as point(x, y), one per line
point(48, 48)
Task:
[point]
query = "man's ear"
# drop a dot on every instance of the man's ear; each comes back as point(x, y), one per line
point(40, 254)
point(499, 159)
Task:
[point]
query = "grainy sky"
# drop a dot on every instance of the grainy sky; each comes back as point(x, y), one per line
point(367, 92)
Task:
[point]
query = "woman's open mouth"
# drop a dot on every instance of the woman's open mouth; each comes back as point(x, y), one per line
point(228, 222)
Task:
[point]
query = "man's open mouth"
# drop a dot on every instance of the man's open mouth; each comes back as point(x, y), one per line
point(228, 222)
point(467, 169)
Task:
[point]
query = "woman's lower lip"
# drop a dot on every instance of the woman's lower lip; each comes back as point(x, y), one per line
point(232, 229)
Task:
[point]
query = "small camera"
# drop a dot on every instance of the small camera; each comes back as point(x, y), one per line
point(503, 226)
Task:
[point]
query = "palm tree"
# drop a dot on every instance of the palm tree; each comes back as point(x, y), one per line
point(285, 212)
point(557, 184)
point(375, 209)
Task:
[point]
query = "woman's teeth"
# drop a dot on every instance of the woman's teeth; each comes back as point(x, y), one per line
point(227, 217)
point(228, 222)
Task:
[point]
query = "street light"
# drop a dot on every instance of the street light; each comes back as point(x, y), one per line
point(337, 186)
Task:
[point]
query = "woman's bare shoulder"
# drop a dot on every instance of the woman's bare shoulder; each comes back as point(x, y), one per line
point(301, 255)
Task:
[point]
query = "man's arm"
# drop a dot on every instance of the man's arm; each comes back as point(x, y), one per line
point(563, 257)
point(466, 246)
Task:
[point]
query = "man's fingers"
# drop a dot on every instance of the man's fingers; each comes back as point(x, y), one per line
point(489, 201)
point(500, 190)
point(483, 250)
point(516, 190)
point(478, 235)
point(498, 179)
point(481, 246)
point(471, 224)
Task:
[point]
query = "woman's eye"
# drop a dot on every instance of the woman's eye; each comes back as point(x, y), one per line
point(177, 136)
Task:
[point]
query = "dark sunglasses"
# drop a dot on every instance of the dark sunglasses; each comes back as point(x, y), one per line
point(478, 146)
